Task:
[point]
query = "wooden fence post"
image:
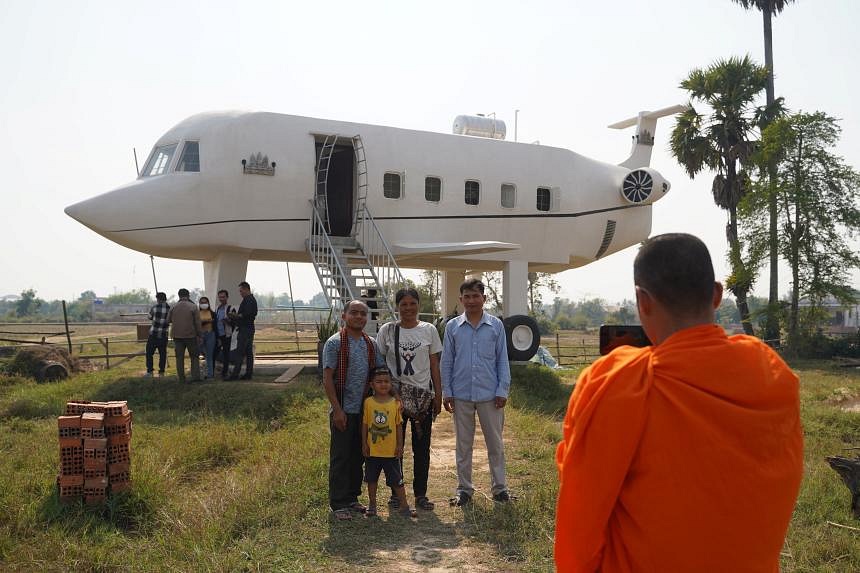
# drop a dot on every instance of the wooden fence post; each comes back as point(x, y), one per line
point(66, 321)
point(557, 348)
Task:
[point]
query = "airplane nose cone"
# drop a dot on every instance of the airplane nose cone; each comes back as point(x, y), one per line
point(86, 213)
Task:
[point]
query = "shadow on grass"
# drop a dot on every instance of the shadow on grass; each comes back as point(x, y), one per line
point(128, 512)
point(162, 399)
point(539, 389)
point(360, 540)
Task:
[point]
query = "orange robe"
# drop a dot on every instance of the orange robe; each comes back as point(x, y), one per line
point(683, 457)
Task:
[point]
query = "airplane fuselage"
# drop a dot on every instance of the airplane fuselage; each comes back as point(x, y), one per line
point(221, 208)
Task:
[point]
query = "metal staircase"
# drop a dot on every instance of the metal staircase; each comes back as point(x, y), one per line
point(358, 266)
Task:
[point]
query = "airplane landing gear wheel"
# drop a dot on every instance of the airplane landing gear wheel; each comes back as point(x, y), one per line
point(523, 337)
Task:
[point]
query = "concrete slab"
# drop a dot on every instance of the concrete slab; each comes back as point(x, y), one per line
point(280, 367)
point(290, 373)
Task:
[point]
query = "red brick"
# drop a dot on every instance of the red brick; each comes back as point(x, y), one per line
point(118, 453)
point(95, 454)
point(70, 480)
point(120, 486)
point(93, 499)
point(70, 442)
point(114, 469)
point(92, 420)
point(91, 472)
point(76, 407)
point(119, 439)
point(116, 408)
point(95, 444)
point(68, 421)
point(96, 483)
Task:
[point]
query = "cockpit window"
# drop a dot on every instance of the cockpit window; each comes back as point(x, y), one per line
point(190, 158)
point(158, 161)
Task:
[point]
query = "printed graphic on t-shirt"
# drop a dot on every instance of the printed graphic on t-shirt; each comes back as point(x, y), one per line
point(380, 428)
point(407, 353)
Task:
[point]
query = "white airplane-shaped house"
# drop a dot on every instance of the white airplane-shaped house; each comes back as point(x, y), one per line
point(229, 187)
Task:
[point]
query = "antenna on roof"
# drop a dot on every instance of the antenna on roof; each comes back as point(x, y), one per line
point(136, 167)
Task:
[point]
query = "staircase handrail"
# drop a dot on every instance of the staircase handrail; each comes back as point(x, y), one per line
point(388, 261)
point(316, 218)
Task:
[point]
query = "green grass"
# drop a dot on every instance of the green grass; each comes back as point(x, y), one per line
point(233, 477)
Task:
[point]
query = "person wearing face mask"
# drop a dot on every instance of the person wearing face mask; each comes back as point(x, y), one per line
point(207, 321)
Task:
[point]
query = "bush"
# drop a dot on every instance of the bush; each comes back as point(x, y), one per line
point(819, 345)
point(535, 387)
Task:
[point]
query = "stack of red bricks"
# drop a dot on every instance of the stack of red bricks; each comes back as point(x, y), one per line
point(95, 450)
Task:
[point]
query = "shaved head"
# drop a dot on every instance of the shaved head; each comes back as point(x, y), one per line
point(355, 301)
point(676, 270)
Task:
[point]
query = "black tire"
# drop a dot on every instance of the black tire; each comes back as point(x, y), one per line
point(52, 372)
point(523, 337)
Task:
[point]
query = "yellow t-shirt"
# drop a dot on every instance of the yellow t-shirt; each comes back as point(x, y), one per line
point(382, 420)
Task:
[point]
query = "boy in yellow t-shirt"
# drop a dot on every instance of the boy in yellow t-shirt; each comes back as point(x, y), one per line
point(382, 441)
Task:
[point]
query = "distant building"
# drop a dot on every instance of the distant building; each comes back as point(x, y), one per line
point(844, 318)
point(10, 298)
point(131, 312)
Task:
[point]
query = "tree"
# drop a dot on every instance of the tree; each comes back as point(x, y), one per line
point(136, 296)
point(28, 304)
point(768, 9)
point(818, 196)
point(724, 141)
point(539, 281)
point(429, 289)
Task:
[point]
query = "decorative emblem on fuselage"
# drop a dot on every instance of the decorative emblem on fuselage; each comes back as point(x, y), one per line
point(258, 164)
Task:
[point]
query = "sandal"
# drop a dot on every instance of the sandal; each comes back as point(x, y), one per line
point(370, 512)
point(357, 507)
point(424, 503)
point(409, 512)
point(342, 514)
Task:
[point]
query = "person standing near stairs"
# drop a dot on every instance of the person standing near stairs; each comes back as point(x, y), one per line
point(243, 320)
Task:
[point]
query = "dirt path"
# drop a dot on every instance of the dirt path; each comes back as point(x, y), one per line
point(437, 542)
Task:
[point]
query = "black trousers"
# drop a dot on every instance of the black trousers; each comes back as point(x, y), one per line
point(224, 351)
point(420, 452)
point(244, 350)
point(345, 462)
point(154, 343)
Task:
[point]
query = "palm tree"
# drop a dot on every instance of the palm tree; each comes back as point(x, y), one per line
point(723, 142)
point(768, 9)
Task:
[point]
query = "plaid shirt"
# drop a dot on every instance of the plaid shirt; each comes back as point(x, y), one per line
point(158, 315)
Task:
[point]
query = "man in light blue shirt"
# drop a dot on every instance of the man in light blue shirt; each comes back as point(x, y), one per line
point(476, 378)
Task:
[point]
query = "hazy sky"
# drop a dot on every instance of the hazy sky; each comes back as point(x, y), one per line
point(85, 82)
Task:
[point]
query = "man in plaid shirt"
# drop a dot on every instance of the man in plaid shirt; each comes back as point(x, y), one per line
point(157, 334)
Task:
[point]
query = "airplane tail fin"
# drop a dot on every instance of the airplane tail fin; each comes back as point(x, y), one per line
point(643, 140)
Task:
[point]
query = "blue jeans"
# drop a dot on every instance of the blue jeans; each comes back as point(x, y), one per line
point(209, 353)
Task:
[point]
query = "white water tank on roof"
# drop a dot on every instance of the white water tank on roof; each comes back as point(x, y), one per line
point(479, 126)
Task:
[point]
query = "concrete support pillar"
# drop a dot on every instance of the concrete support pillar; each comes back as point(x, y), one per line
point(225, 271)
point(450, 287)
point(515, 283)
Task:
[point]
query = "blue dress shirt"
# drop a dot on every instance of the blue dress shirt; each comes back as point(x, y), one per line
point(475, 360)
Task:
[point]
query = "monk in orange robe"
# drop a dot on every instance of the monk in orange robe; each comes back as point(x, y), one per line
point(685, 456)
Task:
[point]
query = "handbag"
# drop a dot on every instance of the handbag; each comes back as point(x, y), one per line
point(416, 401)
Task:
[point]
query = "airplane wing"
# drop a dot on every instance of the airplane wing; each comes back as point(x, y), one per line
point(451, 249)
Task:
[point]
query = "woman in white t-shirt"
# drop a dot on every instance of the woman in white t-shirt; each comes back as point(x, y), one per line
point(411, 348)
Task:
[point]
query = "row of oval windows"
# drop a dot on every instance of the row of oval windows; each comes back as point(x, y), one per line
point(392, 188)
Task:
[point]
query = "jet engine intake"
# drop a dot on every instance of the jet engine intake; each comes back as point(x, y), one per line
point(643, 186)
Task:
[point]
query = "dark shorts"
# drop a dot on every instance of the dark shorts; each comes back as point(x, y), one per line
point(373, 466)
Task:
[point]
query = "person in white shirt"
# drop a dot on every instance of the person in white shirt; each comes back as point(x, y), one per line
point(411, 348)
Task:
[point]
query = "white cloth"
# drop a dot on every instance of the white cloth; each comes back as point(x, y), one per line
point(416, 346)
